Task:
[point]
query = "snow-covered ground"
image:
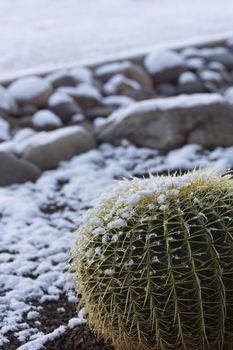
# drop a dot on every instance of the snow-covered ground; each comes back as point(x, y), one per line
point(41, 34)
point(38, 220)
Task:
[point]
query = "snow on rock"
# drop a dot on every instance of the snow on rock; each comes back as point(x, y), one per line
point(208, 75)
point(31, 90)
point(119, 84)
point(128, 69)
point(43, 118)
point(38, 220)
point(61, 78)
point(164, 66)
point(63, 105)
point(118, 100)
point(47, 149)
point(105, 71)
point(218, 54)
point(205, 119)
point(4, 130)
point(187, 77)
point(7, 103)
point(82, 74)
point(86, 95)
point(195, 63)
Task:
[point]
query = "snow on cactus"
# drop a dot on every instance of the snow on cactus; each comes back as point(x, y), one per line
point(154, 263)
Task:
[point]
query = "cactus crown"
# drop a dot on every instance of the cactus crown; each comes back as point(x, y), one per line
point(154, 263)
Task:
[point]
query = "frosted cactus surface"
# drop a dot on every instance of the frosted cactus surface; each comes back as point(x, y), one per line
point(154, 263)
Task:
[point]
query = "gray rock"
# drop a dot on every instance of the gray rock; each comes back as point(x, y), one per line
point(211, 76)
point(188, 83)
point(166, 89)
point(82, 74)
point(86, 95)
point(165, 66)
point(190, 52)
point(7, 102)
point(120, 85)
point(219, 54)
point(195, 64)
point(4, 130)
point(14, 170)
point(45, 120)
point(128, 69)
point(63, 105)
point(47, 149)
point(164, 124)
point(61, 78)
point(31, 90)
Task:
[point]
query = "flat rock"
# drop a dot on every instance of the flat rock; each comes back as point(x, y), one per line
point(47, 149)
point(165, 124)
point(165, 66)
point(14, 170)
point(7, 103)
point(31, 90)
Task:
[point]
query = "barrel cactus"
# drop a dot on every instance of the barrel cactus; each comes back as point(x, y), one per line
point(154, 263)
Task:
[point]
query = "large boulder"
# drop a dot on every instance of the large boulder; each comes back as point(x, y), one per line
point(164, 124)
point(14, 170)
point(165, 66)
point(47, 149)
point(31, 91)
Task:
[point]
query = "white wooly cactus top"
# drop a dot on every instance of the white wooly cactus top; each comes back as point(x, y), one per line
point(118, 202)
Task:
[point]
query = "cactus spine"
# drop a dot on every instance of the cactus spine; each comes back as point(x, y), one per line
point(154, 263)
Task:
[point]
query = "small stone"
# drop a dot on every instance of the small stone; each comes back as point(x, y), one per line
point(188, 83)
point(86, 95)
point(130, 70)
point(120, 85)
point(63, 105)
point(195, 64)
point(190, 52)
point(7, 102)
point(82, 74)
point(4, 130)
point(166, 89)
point(61, 78)
point(46, 120)
point(14, 170)
point(165, 66)
point(211, 76)
point(31, 90)
point(219, 54)
point(47, 149)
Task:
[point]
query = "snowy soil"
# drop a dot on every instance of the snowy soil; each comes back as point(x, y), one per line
point(37, 224)
point(41, 34)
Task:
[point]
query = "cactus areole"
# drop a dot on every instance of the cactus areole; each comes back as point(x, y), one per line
point(154, 263)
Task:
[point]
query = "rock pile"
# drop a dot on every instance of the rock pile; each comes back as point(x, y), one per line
point(168, 100)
